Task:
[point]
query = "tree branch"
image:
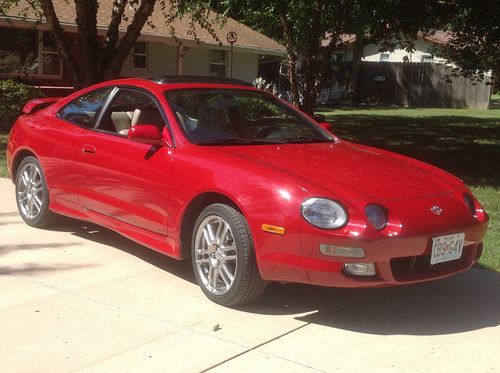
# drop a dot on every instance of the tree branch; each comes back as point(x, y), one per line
point(59, 40)
point(133, 31)
point(113, 30)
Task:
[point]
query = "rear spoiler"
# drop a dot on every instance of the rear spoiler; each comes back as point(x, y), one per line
point(38, 104)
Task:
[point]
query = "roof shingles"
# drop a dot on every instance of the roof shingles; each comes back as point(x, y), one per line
point(247, 38)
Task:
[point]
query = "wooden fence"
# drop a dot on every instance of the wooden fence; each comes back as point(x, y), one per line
point(419, 85)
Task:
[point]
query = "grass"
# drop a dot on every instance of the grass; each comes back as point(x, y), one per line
point(3, 162)
point(463, 142)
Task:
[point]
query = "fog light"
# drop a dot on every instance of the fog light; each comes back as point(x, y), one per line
point(346, 252)
point(360, 269)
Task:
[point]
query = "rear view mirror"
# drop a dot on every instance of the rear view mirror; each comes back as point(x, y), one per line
point(145, 134)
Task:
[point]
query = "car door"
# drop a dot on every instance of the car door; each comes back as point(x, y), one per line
point(121, 179)
point(62, 138)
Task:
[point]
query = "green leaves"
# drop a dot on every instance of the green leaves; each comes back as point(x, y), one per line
point(13, 96)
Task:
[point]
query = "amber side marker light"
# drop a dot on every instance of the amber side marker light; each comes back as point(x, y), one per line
point(273, 229)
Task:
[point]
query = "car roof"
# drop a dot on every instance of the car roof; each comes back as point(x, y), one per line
point(186, 79)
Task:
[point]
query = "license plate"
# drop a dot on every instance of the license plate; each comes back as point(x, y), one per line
point(446, 248)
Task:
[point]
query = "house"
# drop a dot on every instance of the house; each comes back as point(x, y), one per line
point(424, 49)
point(26, 51)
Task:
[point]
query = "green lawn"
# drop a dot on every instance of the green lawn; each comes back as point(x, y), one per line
point(463, 142)
point(3, 147)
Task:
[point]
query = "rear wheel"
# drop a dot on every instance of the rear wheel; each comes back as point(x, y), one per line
point(223, 256)
point(32, 195)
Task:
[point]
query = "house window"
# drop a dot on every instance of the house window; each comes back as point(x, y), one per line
point(384, 57)
point(28, 52)
point(51, 61)
point(18, 51)
point(140, 55)
point(337, 57)
point(427, 58)
point(217, 63)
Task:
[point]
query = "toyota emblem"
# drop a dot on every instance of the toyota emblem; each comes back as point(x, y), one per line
point(437, 210)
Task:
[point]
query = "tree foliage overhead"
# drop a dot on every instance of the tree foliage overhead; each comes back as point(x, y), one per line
point(475, 28)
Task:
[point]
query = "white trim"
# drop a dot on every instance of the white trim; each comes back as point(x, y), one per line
point(52, 87)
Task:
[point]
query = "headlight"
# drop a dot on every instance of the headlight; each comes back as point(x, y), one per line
point(324, 213)
point(376, 216)
point(470, 203)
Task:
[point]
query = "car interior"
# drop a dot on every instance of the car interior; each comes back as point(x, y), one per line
point(129, 109)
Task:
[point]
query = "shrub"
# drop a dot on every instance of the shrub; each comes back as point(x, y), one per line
point(13, 96)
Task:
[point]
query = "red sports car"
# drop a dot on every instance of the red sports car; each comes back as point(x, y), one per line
point(250, 188)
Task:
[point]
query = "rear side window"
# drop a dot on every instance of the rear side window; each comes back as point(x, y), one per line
point(84, 110)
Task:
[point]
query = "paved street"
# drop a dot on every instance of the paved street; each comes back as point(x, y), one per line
point(82, 298)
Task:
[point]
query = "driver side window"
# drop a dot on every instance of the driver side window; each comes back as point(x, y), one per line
point(128, 109)
point(84, 110)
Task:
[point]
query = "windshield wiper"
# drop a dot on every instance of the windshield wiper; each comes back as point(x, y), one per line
point(234, 141)
point(304, 139)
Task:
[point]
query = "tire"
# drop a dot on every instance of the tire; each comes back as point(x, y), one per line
point(32, 194)
point(223, 257)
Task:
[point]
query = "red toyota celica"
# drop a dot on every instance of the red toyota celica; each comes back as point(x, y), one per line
point(250, 188)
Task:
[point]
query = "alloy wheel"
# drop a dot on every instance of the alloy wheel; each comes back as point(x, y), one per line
point(215, 255)
point(30, 191)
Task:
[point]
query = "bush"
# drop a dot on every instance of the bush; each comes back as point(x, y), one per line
point(13, 96)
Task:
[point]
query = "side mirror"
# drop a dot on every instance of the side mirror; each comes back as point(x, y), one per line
point(326, 126)
point(145, 134)
point(319, 118)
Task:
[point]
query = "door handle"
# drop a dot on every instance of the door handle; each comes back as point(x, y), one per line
point(88, 149)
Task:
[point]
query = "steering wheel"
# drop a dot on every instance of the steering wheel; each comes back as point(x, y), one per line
point(79, 118)
point(265, 131)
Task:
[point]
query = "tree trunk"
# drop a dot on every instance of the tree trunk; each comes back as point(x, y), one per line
point(292, 56)
point(357, 55)
point(86, 21)
point(96, 60)
point(311, 73)
point(294, 79)
point(57, 35)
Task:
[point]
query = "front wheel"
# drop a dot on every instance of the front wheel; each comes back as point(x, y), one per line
point(32, 194)
point(223, 256)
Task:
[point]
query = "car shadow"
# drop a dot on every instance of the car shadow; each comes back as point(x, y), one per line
point(96, 233)
point(464, 302)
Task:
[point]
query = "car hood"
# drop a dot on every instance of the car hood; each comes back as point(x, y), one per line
point(343, 166)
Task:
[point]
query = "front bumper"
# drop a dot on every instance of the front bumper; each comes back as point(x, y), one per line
point(397, 260)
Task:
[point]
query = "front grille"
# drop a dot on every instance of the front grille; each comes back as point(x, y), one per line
point(414, 268)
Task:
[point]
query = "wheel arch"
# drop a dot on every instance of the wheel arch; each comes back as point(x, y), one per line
point(191, 213)
point(18, 158)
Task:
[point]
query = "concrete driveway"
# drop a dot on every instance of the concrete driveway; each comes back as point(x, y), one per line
point(83, 298)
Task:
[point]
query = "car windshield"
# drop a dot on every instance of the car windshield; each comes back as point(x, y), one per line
point(239, 117)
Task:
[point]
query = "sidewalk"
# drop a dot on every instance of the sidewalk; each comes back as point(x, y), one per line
point(82, 298)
